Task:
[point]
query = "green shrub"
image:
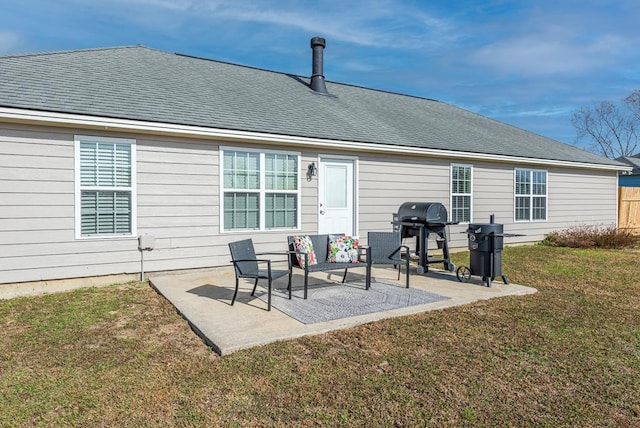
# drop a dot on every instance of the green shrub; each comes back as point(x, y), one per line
point(591, 237)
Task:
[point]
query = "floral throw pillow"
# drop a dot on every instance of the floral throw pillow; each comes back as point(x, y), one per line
point(343, 249)
point(303, 244)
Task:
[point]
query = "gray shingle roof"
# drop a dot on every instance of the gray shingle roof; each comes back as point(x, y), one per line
point(145, 84)
point(634, 161)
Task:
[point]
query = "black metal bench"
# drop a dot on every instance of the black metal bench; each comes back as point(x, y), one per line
point(320, 248)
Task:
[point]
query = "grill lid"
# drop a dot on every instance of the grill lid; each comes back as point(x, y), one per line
point(423, 212)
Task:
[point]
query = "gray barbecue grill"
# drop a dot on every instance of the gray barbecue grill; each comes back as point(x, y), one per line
point(419, 220)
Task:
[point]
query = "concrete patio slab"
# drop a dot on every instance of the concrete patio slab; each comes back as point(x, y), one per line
point(203, 297)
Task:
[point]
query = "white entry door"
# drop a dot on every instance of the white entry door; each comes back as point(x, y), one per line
point(336, 208)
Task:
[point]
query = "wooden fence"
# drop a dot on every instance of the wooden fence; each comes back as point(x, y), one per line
point(629, 209)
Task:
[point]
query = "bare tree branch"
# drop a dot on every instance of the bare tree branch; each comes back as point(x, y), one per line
point(633, 103)
point(612, 129)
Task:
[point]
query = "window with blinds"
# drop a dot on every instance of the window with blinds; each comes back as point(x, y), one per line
point(530, 195)
point(105, 186)
point(461, 193)
point(260, 189)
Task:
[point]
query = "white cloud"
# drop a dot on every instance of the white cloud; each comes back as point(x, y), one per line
point(545, 38)
point(381, 23)
point(547, 111)
point(175, 5)
point(549, 52)
point(358, 66)
point(9, 41)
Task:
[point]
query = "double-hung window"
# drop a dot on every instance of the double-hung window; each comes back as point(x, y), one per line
point(105, 186)
point(530, 195)
point(461, 192)
point(261, 189)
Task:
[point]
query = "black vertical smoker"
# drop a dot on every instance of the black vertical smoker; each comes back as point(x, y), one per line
point(486, 241)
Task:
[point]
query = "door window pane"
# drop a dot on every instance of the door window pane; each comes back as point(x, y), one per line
point(336, 186)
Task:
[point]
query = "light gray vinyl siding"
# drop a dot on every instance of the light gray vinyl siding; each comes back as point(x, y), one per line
point(37, 225)
point(388, 181)
point(574, 197)
point(177, 200)
point(577, 197)
point(309, 222)
point(37, 215)
point(178, 197)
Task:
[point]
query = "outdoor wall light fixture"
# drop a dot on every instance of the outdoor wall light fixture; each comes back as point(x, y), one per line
point(312, 171)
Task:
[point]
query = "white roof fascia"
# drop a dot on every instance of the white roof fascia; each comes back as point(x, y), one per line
point(127, 125)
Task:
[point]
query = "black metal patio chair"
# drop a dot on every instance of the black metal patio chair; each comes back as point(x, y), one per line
point(385, 248)
point(245, 264)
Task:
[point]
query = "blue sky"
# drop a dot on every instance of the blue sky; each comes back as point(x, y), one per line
point(527, 63)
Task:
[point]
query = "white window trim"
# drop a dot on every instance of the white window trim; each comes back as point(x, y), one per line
point(78, 190)
point(262, 190)
point(531, 195)
point(451, 194)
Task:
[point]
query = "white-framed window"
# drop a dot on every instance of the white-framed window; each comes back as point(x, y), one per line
point(260, 189)
point(530, 194)
point(105, 182)
point(461, 193)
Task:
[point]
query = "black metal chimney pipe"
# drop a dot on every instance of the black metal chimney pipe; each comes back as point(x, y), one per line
point(317, 76)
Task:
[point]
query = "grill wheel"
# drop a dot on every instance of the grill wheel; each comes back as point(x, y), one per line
point(463, 274)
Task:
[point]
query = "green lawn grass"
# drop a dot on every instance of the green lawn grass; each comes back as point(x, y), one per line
point(121, 356)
